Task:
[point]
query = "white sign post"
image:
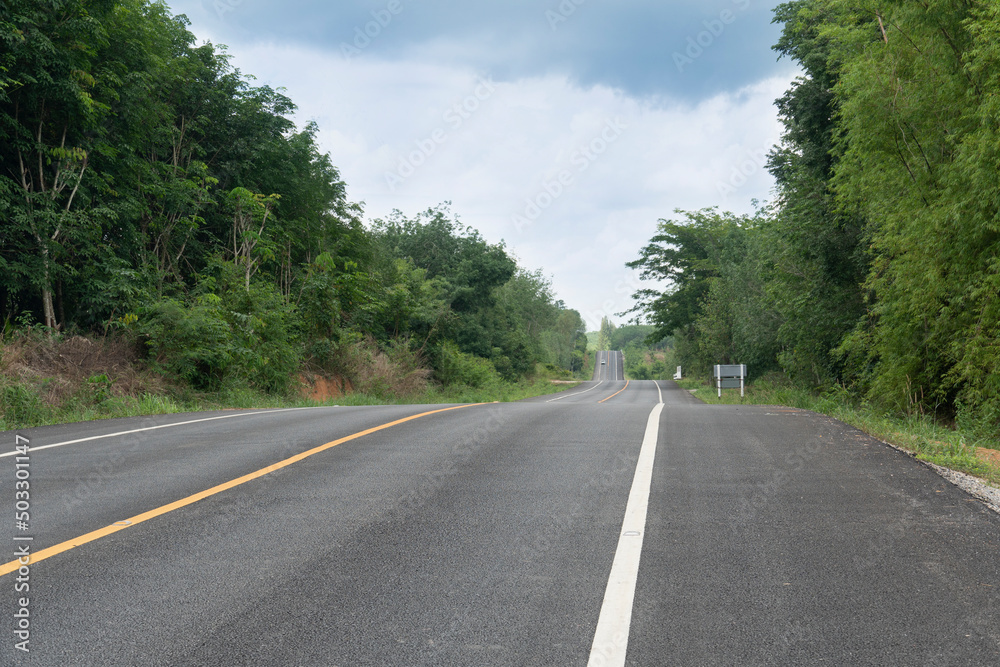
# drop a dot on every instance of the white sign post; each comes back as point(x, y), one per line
point(730, 376)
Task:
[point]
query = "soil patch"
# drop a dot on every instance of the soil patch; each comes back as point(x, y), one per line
point(322, 389)
point(988, 455)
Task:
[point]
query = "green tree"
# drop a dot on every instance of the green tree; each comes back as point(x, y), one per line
point(814, 245)
point(917, 145)
point(51, 109)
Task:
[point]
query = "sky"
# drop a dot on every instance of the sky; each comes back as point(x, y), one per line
point(564, 128)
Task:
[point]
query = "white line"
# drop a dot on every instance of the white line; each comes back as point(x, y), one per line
point(658, 392)
point(577, 393)
point(153, 428)
point(611, 639)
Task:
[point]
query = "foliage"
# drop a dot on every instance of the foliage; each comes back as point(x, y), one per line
point(224, 333)
point(918, 137)
point(459, 368)
point(149, 188)
point(876, 267)
point(716, 268)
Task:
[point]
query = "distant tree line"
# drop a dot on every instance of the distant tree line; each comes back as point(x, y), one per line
point(148, 186)
point(877, 266)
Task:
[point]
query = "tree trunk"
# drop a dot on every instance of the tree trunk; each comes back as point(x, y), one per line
point(48, 311)
point(47, 308)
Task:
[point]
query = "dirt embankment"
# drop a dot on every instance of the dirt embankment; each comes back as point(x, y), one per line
point(50, 373)
point(321, 389)
point(62, 367)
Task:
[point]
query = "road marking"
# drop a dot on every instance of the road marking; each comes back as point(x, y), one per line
point(658, 392)
point(183, 502)
point(153, 428)
point(553, 400)
point(611, 638)
point(616, 393)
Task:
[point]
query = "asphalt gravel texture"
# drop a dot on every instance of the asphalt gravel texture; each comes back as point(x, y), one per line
point(485, 535)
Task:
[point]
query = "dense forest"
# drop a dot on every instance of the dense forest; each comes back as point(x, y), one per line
point(149, 190)
point(877, 266)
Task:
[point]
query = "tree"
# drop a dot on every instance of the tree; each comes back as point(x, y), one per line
point(917, 146)
point(814, 244)
point(250, 245)
point(52, 105)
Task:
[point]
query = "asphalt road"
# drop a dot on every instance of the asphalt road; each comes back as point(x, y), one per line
point(609, 366)
point(485, 535)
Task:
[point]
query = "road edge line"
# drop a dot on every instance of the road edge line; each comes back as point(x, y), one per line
point(154, 428)
point(612, 634)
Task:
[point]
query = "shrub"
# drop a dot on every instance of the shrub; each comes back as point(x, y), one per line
point(456, 367)
point(393, 371)
point(226, 333)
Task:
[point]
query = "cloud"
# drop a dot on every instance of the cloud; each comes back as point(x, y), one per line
point(573, 178)
point(684, 49)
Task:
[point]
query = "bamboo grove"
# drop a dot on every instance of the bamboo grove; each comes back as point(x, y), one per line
point(876, 267)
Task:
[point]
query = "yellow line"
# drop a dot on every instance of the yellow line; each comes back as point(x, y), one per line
point(183, 502)
point(616, 393)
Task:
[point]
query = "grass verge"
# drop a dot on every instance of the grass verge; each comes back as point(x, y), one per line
point(25, 405)
point(920, 435)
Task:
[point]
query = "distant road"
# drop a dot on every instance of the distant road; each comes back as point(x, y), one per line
point(487, 535)
point(609, 366)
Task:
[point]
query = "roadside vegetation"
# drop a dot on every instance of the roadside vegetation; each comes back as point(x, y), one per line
point(868, 288)
point(54, 380)
point(171, 240)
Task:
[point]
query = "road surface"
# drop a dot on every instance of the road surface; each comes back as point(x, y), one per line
point(527, 533)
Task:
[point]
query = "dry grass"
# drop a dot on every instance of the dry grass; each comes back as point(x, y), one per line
point(65, 365)
point(397, 372)
point(44, 379)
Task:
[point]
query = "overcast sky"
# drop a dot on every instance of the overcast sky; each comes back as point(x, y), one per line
point(565, 128)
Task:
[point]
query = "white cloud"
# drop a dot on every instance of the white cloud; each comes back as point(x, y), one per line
point(573, 179)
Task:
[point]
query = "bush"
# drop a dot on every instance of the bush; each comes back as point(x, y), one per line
point(226, 333)
point(459, 368)
point(21, 406)
point(190, 340)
